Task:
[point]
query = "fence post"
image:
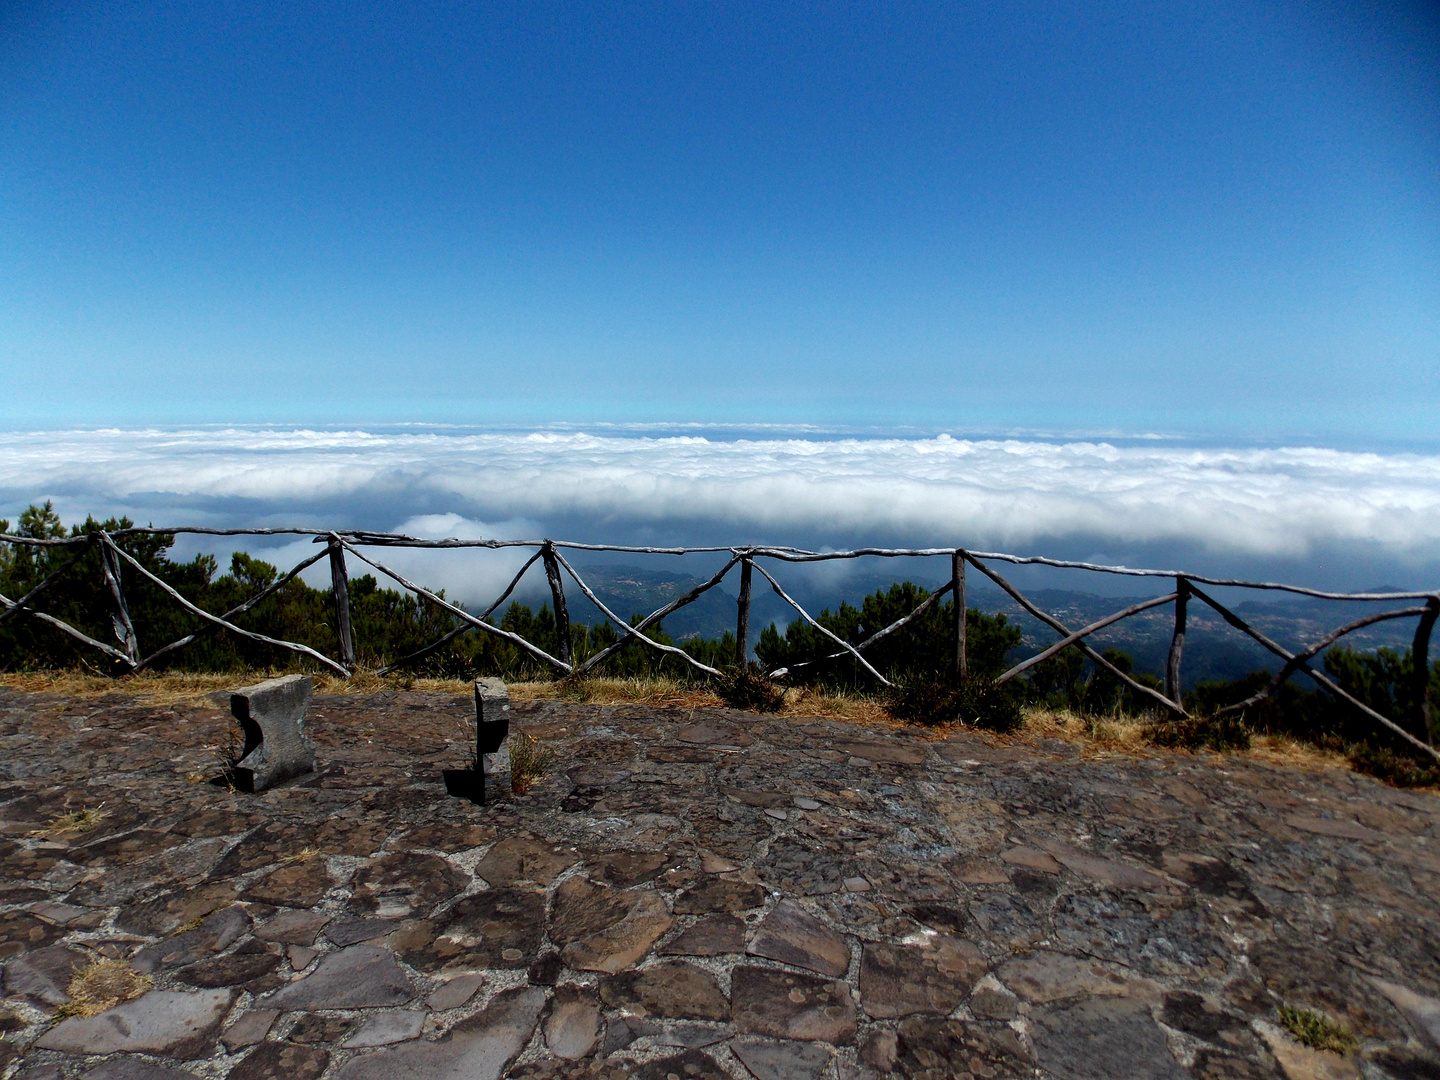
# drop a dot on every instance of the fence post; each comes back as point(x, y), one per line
point(1420, 668)
point(340, 586)
point(742, 621)
point(119, 613)
point(1177, 641)
point(557, 593)
point(962, 663)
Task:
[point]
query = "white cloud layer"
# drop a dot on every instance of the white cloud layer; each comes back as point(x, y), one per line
point(1270, 502)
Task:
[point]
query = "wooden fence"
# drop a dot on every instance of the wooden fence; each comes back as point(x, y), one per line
point(337, 544)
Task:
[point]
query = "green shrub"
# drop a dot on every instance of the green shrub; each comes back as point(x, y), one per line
point(979, 704)
point(1395, 768)
point(1316, 1030)
point(1223, 734)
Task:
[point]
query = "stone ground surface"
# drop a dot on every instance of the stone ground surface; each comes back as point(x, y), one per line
point(695, 894)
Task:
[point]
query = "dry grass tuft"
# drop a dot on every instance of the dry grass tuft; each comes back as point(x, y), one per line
point(303, 855)
point(1316, 1030)
point(77, 821)
point(103, 985)
point(528, 760)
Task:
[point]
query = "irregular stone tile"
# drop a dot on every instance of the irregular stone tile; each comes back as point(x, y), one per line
point(51, 912)
point(251, 967)
point(881, 1049)
point(991, 1001)
point(449, 837)
point(163, 1022)
point(624, 869)
point(782, 1059)
point(605, 929)
point(127, 847)
point(672, 989)
point(455, 993)
point(941, 1049)
point(134, 1069)
point(705, 734)
point(897, 980)
point(216, 821)
point(360, 977)
point(524, 858)
point(293, 927)
point(387, 1028)
point(546, 969)
point(251, 1028)
point(786, 1005)
point(1339, 828)
point(171, 910)
point(683, 1033)
point(405, 883)
point(908, 881)
point(719, 894)
point(947, 918)
point(500, 928)
point(20, 932)
point(714, 935)
point(1423, 1012)
point(1196, 1015)
point(1101, 1038)
point(300, 957)
point(478, 1048)
point(343, 932)
point(1031, 859)
point(805, 867)
point(1117, 875)
point(1043, 977)
point(43, 975)
point(764, 800)
point(281, 1061)
point(792, 935)
point(214, 935)
point(894, 753)
point(691, 1065)
point(574, 1025)
point(316, 1030)
point(980, 872)
point(710, 863)
point(300, 885)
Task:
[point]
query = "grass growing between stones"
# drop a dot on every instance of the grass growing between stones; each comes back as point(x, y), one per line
point(528, 761)
point(1316, 1030)
point(77, 821)
point(103, 985)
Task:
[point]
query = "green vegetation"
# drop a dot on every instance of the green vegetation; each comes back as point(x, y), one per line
point(1316, 1030)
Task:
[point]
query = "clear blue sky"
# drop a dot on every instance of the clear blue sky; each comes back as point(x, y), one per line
point(1219, 220)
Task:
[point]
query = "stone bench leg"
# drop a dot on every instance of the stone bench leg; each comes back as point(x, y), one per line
point(272, 715)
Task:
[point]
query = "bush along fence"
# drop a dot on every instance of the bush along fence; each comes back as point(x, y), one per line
point(115, 563)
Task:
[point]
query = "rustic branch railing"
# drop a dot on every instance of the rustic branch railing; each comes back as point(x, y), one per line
point(337, 544)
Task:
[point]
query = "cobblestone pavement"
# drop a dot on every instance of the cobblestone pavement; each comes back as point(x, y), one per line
point(695, 894)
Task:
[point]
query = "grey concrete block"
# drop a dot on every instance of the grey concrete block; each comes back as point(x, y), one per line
point(272, 715)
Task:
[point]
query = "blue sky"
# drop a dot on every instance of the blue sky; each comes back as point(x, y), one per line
point(1217, 221)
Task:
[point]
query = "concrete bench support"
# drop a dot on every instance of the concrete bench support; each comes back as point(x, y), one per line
point(492, 724)
point(272, 715)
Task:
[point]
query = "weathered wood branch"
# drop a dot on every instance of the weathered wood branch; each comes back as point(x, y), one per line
point(742, 615)
point(1420, 668)
point(119, 613)
point(879, 635)
point(463, 628)
point(304, 650)
point(23, 602)
point(66, 628)
point(233, 613)
point(1300, 658)
point(340, 593)
point(615, 619)
point(1285, 654)
point(479, 624)
point(833, 637)
point(1059, 627)
point(638, 629)
point(1177, 642)
point(557, 596)
point(961, 626)
point(1084, 632)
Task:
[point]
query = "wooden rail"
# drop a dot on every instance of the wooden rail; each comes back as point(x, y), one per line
point(338, 544)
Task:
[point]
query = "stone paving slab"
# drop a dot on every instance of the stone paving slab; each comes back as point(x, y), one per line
point(699, 893)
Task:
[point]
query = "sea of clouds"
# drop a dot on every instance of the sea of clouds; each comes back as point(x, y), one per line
point(1367, 516)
